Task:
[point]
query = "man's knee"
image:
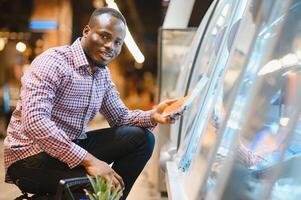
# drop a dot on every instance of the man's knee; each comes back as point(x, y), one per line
point(150, 142)
point(143, 139)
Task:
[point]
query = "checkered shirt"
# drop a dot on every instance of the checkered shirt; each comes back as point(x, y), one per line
point(59, 96)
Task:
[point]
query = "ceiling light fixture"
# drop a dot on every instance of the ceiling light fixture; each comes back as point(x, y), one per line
point(21, 47)
point(2, 43)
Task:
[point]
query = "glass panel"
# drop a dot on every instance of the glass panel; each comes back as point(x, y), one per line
point(264, 109)
point(202, 108)
point(175, 43)
point(209, 139)
point(197, 44)
point(187, 66)
point(206, 59)
point(285, 176)
point(211, 66)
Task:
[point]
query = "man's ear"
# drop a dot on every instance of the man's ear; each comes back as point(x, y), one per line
point(86, 30)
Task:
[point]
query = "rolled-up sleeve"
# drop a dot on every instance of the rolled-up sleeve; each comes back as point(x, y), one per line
point(117, 114)
point(39, 86)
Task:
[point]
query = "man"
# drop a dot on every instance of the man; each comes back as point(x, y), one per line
point(61, 92)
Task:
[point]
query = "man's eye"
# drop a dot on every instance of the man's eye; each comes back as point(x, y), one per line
point(105, 37)
point(118, 43)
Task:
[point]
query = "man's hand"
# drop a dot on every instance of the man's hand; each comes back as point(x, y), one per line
point(96, 167)
point(158, 115)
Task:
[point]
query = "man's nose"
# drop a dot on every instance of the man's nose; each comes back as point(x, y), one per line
point(109, 44)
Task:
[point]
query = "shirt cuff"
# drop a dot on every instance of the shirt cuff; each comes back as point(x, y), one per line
point(148, 120)
point(74, 156)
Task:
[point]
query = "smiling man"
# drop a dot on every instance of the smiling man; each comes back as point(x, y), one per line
point(61, 92)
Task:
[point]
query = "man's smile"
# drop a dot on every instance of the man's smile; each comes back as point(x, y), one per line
point(105, 55)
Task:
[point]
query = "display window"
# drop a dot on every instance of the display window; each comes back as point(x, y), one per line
point(186, 67)
point(204, 62)
point(174, 44)
point(205, 111)
point(201, 120)
point(257, 155)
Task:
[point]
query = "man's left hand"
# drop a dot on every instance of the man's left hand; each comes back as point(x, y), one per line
point(158, 115)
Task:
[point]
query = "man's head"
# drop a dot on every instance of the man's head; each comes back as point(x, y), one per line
point(103, 37)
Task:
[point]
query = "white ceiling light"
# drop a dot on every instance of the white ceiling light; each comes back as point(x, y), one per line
point(284, 121)
point(2, 43)
point(129, 41)
point(270, 67)
point(289, 60)
point(286, 62)
point(20, 46)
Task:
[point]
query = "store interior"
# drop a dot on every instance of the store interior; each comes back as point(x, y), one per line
point(27, 28)
point(235, 62)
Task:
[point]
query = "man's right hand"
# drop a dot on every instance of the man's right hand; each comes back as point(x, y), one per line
point(96, 167)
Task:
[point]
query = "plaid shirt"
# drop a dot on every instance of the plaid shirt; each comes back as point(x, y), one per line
point(59, 96)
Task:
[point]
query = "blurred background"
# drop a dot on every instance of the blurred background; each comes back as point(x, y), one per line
point(28, 27)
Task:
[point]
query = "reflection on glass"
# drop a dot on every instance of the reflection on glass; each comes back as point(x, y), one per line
point(175, 44)
point(206, 58)
point(207, 55)
point(213, 66)
point(260, 145)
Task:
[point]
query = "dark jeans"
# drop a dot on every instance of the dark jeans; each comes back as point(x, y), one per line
point(128, 148)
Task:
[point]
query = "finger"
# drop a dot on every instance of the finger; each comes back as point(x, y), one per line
point(115, 182)
point(181, 110)
point(176, 117)
point(163, 119)
point(169, 101)
point(173, 116)
point(170, 120)
point(120, 180)
point(107, 177)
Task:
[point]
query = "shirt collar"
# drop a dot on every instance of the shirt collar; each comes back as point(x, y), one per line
point(79, 57)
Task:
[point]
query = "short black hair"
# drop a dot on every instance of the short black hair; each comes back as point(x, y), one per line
point(108, 10)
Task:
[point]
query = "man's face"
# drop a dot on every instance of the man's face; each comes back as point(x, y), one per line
point(103, 39)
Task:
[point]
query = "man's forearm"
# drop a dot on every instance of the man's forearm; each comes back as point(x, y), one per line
point(88, 160)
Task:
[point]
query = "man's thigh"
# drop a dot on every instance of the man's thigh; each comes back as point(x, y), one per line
point(112, 144)
point(41, 173)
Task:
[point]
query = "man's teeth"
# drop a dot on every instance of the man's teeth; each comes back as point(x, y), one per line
point(106, 54)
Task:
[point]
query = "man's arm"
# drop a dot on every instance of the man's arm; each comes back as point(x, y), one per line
point(117, 113)
point(39, 86)
point(96, 167)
